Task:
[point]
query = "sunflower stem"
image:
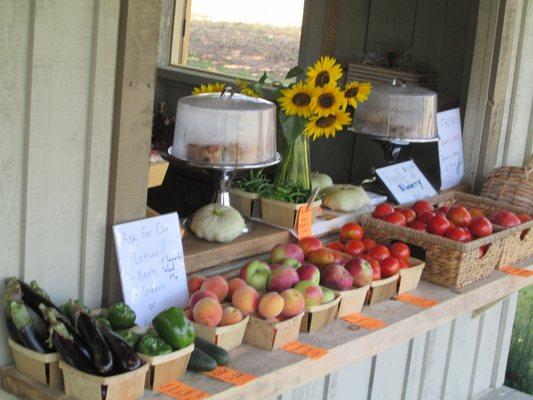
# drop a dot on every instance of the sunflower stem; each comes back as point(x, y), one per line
point(295, 168)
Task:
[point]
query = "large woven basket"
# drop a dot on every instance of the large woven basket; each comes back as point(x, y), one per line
point(513, 186)
point(448, 262)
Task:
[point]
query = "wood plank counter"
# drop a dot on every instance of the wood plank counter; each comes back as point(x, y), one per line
point(279, 371)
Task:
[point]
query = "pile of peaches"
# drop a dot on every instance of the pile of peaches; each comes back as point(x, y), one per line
point(296, 276)
point(455, 222)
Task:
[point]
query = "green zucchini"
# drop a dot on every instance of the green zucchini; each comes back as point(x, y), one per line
point(220, 355)
point(200, 362)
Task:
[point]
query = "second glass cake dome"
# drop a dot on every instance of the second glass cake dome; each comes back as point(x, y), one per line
point(225, 129)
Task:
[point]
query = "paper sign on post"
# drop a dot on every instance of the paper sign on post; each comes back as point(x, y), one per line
point(151, 265)
point(450, 148)
point(406, 182)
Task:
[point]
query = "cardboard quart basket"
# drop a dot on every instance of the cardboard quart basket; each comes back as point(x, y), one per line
point(166, 367)
point(270, 336)
point(351, 301)
point(410, 277)
point(246, 203)
point(228, 337)
point(382, 290)
point(82, 386)
point(43, 368)
point(317, 317)
point(284, 214)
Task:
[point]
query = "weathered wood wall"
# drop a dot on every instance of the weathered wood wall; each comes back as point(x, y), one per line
point(457, 360)
point(57, 77)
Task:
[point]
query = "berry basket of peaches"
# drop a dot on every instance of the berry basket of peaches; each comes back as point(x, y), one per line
point(463, 236)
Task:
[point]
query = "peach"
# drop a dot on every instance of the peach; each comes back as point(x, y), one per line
point(233, 285)
point(245, 299)
point(200, 294)
point(207, 312)
point(294, 303)
point(312, 293)
point(217, 285)
point(194, 283)
point(271, 305)
point(230, 315)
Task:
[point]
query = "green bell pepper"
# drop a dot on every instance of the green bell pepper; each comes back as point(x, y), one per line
point(173, 326)
point(130, 337)
point(152, 345)
point(121, 316)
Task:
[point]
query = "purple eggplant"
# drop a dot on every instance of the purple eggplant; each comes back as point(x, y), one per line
point(124, 357)
point(101, 355)
point(19, 317)
point(68, 348)
point(33, 299)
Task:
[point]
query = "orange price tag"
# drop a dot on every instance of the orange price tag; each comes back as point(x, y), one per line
point(416, 300)
point(304, 350)
point(182, 391)
point(304, 221)
point(365, 322)
point(229, 375)
point(517, 271)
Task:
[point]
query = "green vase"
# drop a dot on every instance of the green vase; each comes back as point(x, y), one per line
point(295, 166)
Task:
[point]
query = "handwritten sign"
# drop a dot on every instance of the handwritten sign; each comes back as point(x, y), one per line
point(230, 376)
point(452, 168)
point(304, 350)
point(150, 261)
point(304, 221)
point(416, 300)
point(182, 391)
point(406, 182)
point(364, 322)
point(517, 271)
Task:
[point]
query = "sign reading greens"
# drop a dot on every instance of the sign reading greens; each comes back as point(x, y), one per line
point(312, 105)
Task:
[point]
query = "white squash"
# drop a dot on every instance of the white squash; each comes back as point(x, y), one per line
point(322, 181)
point(345, 198)
point(217, 223)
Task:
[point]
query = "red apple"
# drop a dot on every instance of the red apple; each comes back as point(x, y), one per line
point(287, 250)
point(389, 267)
point(438, 225)
point(361, 271)
point(321, 257)
point(354, 247)
point(351, 231)
point(379, 252)
point(282, 278)
point(310, 243)
point(480, 227)
point(396, 218)
point(400, 250)
point(256, 274)
point(369, 243)
point(409, 214)
point(309, 272)
point(459, 216)
point(336, 277)
point(336, 245)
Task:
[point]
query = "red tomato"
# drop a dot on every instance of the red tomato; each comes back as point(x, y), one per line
point(404, 263)
point(369, 243)
point(480, 227)
point(458, 234)
point(422, 206)
point(396, 218)
point(409, 214)
point(389, 266)
point(351, 231)
point(373, 262)
point(477, 212)
point(505, 218)
point(419, 226)
point(425, 217)
point(382, 210)
point(376, 273)
point(336, 245)
point(443, 209)
point(459, 216)
point(354, 247)
point(400, 250)
point(438, 225)
point(379, 252)
point(523, 217)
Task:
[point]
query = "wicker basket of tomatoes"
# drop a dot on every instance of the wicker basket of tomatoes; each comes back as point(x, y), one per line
point(461, 234)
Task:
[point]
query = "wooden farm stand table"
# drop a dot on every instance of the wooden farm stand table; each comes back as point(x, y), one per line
point(279, 372)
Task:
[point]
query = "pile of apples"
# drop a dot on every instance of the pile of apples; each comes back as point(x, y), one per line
point(455, 222)
point(366, 257)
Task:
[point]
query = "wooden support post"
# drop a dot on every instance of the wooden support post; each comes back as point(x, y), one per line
point(330, 26)
point(132, 125)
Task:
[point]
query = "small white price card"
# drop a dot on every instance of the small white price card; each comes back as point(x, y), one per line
point(151, 265)
point(450, 148)
point(406, 182)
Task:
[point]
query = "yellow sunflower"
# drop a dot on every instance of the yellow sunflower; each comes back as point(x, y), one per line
point(248, 91)
point(209, 88)
point(295, 100)
point(326, 70)
point(327, 126)
point(326, 100)
point(357, 92)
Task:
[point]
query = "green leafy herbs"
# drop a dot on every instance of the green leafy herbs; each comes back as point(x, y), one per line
point(253, 182)
point(288, 193)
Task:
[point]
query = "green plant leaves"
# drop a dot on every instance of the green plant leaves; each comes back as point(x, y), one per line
point(292, 126)
point(294, 72)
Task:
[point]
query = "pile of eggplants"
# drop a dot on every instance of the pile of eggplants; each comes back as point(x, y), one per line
point(81, 341)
